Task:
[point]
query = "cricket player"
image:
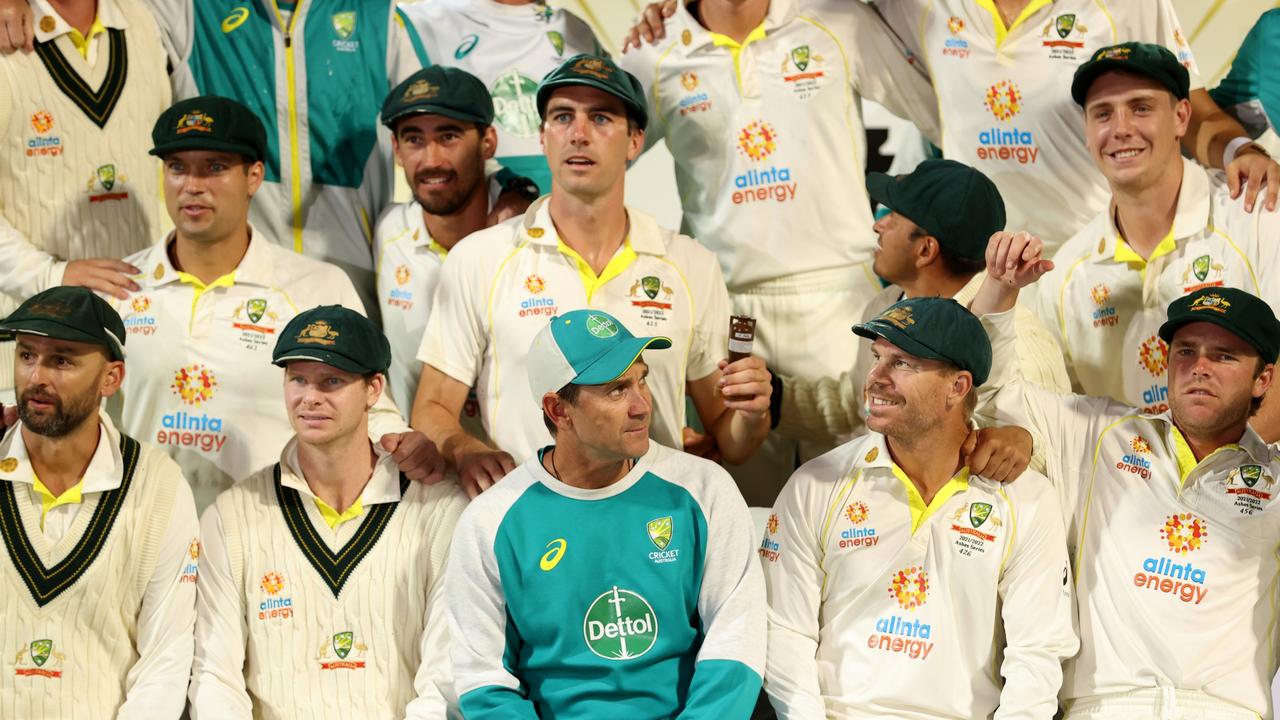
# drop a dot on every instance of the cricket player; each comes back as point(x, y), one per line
point(99, 532)
point(759, 103)
point(579, 247)
point(608, 575)
point(1170, 228)
point(322, 573)
point(510, 46)
point(77, 188)
point(1173, 514)
point(933, 243)
point(441, 123)
point(213, 297)
point(1001, 69)
point(901, 584)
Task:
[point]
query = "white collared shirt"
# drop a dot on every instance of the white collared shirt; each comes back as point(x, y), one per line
point(167, 612)
point(1175, 560)
point(1004, 93)
point(767, 136)
point(56, 27)
point(1105, 304)
point(200, 383)
point(502, 285)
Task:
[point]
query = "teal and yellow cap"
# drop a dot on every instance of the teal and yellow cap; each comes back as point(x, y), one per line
point(583, 347)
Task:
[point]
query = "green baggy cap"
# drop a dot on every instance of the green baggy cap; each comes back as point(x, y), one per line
point(209, 122)
point(935, 328)
point(69, 313)
point(951, 201)
point(1153, 61)
point(439, 90)
point(1246, 316)
point(602, 74)
point(337, 336)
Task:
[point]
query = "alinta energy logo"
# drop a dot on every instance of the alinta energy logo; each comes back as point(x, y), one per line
point(895, 634)
point(191, 570)
point(194, 385)
point(536, 306)
point(139, 321)
point(1105, 315)
point(1185, 534)
point(275, 603)
point(1153, 356)
point(1002, 143)
point(955, 45)
point(757, 141)
point(620, 625)
point(1134, 460)
point(855, 536)
point(695, 101)
point(770, 548)
point(399, 297)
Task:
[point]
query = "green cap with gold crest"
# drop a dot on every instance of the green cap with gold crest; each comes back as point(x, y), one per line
point(602, 74)
point(937, 329)
point(439, 90)
point(1146, 59)
point(69, 313)
point(334, 335)
point(209, 122)
point(1248, 317)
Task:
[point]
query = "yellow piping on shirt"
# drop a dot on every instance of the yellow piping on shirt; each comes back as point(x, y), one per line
point(1093, 475)
point(851, 480)
point(693, 317)
point(1115, 36)
point(854, 161)
point(1243, 258)
point(657, 86)
point(493, 290)
point(1013, 531)
point(1062, 303)
point(364, 223)
point(295, 167)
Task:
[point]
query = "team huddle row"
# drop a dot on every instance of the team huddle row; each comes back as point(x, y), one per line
point(210, 497)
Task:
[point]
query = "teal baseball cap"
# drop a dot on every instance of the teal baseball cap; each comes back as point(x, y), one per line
point(934, 328)
point(583, 347)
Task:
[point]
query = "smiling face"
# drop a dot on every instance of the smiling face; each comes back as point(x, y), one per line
point(443, 160)
point(326, 404)
point(1213, 380)
point(1133, 126)
point(207, 193)
point(907, 396)
point(587, 140)
point(60, 383)
point(610, 422)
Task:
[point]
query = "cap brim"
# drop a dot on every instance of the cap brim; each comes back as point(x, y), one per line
point(58, 331)
point(544, 96)
point(342, 362)
point(611, 365)
point(1171, 327)
point(209, 144)
point(876, 329)
point(878, 187)
point(429, 109)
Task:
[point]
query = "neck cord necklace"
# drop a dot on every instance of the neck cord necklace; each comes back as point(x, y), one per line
point(631, 462)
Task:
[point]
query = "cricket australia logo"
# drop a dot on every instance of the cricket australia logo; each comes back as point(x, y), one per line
point(660, 531)
point(342, 645)
point(344, 26)
point(975, 525)
point(1250, 487)
point(620, 625)
point(33, 659)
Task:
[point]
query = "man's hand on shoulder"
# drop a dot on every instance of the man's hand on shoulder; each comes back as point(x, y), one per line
point(478, 471)
point(102, 275)
point(17, 31)
point(649, 25)
point(415, 456)
point(999, 453)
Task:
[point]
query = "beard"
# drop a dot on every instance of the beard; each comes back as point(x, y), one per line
point(447, 202)
point(65, 417)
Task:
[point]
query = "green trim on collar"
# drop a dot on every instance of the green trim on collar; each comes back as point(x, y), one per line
point(333, 568)
point(46, 584)
point(96, 105)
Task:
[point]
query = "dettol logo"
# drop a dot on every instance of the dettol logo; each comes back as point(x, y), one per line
point(620, 625)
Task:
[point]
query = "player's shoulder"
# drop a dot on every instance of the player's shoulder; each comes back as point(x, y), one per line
point(1031, 488)
point(840, 462)
point(445, 497)
point(678, 247)
point(488, 509)
point(396, 223)
point(258, 490)
point(434, 10)
point(708, 484)
point(488, 246)
point(1084, 242)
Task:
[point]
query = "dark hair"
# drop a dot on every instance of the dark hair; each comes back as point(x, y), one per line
point(958, 265)
point(1256, 403)
point(569, 393)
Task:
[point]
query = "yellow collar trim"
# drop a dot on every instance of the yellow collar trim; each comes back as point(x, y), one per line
point(81, 42)
point(920, 511)
point(1186, 458)
point(998, 22)
point(227, 280)
point(1126, 254)
point(735, 48)
point(591, 282)
point(333, 518)
point(438, 249)
point(73, 495)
